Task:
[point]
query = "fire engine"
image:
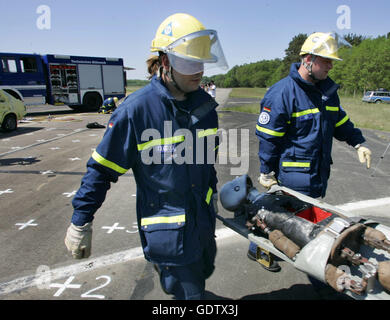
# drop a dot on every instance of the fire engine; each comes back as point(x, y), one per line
point(77, 81)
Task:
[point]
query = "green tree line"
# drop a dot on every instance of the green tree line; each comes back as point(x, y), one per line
point(365, 66)
point(139, 83)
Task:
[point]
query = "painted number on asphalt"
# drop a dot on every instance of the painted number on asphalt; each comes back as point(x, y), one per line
point(97, 296)
point(68, 285)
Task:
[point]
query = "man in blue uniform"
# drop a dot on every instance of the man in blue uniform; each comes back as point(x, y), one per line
point(159, 132)
point(109, 105)
point(299, 117)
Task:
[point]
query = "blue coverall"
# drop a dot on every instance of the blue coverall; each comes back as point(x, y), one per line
point(108, 105)
point(295, 128)
point(175, 214)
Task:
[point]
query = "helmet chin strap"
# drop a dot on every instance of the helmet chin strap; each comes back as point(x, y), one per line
point(309, 67)
point(169, 74)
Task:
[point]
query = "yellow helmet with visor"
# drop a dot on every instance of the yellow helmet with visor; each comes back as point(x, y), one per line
point(188, 44)
point(324, 44)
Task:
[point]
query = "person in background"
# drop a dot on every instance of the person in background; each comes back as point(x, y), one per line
point(109, 105)
point(212, 89)
point(206, 87)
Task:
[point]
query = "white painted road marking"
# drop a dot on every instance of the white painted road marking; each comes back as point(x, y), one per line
point(27, 224)
point(60, 136)
point(114, 227)
point(6, 191)
point(70, 194)
point(135, 226)
point(366, 204)
point(91, 264)
point(63, 286)
point(46, 172)
point(132, 254)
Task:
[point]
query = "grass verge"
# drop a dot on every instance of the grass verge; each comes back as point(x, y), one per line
point(131, 89)
point(248, 93)
point(362, 114)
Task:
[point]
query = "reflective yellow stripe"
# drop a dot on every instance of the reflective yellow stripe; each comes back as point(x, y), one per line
point(270, 132)
point(332, 108)
point(207, 132)
point(160, 142)
point(304, 112)
point(107, 163)
point(209, 194)
point(296, 164)
point(345, 119)
point(156, 220)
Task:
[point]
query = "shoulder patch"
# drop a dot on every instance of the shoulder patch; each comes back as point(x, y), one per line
point(264, 118)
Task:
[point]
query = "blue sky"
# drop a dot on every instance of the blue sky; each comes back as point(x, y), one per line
point(249, 30)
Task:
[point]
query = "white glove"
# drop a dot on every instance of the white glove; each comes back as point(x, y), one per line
point(364, 155)
point(215, 202)
point(78, 240)
point(267, 179)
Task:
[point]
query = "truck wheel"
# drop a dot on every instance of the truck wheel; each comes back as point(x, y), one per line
point(9, 123)
point(76, 107)
point(92, 101)
point(378, 101)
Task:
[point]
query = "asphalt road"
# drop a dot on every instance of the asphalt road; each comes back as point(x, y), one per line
point(41, 165)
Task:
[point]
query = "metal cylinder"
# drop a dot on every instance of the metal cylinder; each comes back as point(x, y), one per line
point(298, 230)
point(284, 244)
point(335, 277)
point(384, 274)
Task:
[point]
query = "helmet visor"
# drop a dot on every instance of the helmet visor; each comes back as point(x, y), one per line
point(200, 48)
point(185, 66)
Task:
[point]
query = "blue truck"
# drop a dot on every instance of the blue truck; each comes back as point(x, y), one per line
point(77, 81)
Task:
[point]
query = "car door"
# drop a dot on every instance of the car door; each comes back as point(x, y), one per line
point(4, 105)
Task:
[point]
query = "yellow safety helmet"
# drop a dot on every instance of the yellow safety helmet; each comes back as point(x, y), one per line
point(115, 99)
point(323, 44)
point(177, 26)
point(188, 44)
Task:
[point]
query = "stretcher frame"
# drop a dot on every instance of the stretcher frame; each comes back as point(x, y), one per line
point(237, 224)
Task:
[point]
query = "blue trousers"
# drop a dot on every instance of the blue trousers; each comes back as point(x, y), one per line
point(188, 282)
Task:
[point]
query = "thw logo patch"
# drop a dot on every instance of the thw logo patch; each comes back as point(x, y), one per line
point(167, 30)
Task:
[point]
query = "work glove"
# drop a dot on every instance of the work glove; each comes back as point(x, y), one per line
point(364, 155)
point(215, 202)
point(267, 179)
point(78, 240)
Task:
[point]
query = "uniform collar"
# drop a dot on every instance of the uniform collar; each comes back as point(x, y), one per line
point(327, 86)
point(193, 98)
point(199, 102)
point(161, 89)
